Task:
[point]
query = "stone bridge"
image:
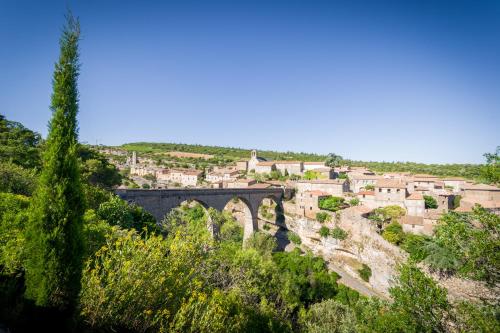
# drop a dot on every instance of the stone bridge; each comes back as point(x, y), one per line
point(161, 202)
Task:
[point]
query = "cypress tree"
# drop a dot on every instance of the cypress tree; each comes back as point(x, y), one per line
point(54, 233)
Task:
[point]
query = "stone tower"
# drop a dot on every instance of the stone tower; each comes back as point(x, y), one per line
point(134, 158)
point(253, 160)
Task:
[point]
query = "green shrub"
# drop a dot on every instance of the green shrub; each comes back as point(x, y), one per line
point(293, 237)
point(416, 246)
point(266, 227)
point(338, 233)
point(365, 273)
point(13, 220)
point(328, 316)
point(262, 242)
point(430, 202)
point(146, 186)
point(331, 203)
point(354, 202)
point(394, 233)
point(118, 212)
point(306, 278)
point(324, 231)
point(16, 179)
point(323, 217)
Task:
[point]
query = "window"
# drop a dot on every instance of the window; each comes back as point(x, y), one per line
point(397, 190)
point(388, 190)
point(363, 195)
point(380, 190)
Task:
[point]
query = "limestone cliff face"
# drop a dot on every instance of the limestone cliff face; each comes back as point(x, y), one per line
point(362, 246)
point(365, 246)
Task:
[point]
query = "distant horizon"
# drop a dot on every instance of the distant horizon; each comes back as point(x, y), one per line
point(367, 80)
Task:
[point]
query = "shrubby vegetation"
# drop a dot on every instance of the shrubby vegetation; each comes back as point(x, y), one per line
point(384, 215)
point(293, 237)
point(323, 217)
point(430, 202)
point(467, 244)
point(324, 231)
point(365, 272)
point(338, 233)
point(332, 203)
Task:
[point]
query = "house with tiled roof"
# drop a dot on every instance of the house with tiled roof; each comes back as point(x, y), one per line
point(307, 202)
point(335, 187)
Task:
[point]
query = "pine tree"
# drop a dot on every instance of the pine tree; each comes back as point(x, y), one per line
point(54, 241)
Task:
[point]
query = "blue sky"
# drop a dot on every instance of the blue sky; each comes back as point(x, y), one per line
point(371, 80)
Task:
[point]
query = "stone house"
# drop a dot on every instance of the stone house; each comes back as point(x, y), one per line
point(485, 195)
point(143, 170)
point(185, 177)
point(325, 173)
point(307, 202)
point(334, 187)
point(313, 165)
point(358, 182)
point(241, 183)
point(222, 176)
point(415, 204)
point(264, 167)
point(367, 198)
point(242, 165)
point(454, 183)
point(289, 167)
point(390, 192)
point(413, 224)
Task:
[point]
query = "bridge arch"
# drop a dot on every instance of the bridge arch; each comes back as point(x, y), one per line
point(247, 217)
point(161, 202)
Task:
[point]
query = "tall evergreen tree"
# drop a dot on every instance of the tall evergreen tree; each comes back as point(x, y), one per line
point(53, 266)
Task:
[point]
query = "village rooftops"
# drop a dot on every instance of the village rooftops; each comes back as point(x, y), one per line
point(481, 187)
point(323, 181)
point(364, 177)
point(412, 220)
point(314, 163)
point(192, 172)
point(366, 193)
point(318, 193)
point(452, 178)
point(433, 214)
point(287, 162)
point(321, 170)
point(424, 175)
point(246, 181)
point(389, 183)
point(425, 179)
point(415, 196)
point(266, 163)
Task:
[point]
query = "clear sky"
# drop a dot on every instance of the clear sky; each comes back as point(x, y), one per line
point(371, 80)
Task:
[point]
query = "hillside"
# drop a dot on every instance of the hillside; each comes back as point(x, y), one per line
point(469, 171)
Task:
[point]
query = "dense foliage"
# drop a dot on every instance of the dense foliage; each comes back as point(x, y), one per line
point(467, 244)
point(19, 145)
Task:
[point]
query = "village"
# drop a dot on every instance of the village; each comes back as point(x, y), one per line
point(424, 198)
